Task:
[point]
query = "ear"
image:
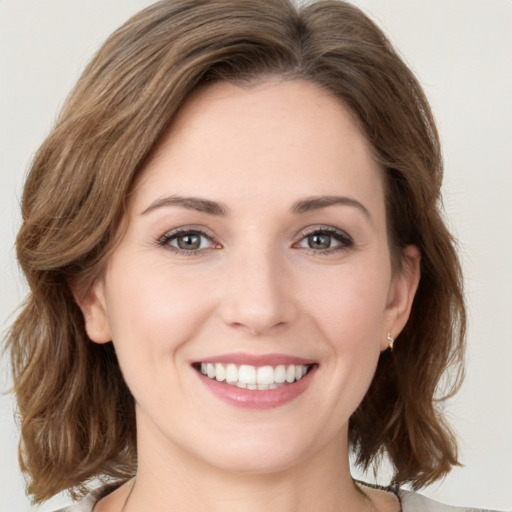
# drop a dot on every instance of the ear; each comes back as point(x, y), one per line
point(401, 294)
point(93, 306)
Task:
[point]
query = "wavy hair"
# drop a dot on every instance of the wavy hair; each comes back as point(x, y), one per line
point(76, 413)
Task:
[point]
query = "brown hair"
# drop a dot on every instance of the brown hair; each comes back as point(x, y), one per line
point(77, 415)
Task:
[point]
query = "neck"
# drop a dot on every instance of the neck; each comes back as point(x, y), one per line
point(175, 480)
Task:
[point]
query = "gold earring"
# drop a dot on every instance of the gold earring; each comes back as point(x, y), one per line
point(391, 341)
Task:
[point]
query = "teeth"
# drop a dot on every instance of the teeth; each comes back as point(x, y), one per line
point(247, 374)
point(280, 374)
point(231, 374)
point(265, 375)
point(252, 377)
point(220, 372)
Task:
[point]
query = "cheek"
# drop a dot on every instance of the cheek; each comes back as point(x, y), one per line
point(348, 308)
point(349, 304)
point(153, 311)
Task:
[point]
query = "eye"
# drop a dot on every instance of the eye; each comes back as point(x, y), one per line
point(325, 240)
point(318, 241)
point(187, 241)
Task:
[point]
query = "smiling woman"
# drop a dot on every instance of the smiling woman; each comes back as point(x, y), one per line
point(238, 270)
point(247, 296)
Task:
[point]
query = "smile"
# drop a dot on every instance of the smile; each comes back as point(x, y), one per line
point(251, 381)
point(254, 378)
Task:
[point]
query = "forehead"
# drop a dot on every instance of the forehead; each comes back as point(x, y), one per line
point(262, 142)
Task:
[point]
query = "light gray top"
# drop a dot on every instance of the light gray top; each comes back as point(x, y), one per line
point(410, 501)
point(414, 502)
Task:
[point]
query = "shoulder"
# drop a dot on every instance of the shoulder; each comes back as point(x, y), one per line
point(86, 504)
point(410, 501)
point(414, 502)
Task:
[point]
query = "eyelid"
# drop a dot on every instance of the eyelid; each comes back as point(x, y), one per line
point(163, 241)
point(344, 239)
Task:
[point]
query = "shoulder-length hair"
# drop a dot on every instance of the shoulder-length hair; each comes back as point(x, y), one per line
point(76, 413)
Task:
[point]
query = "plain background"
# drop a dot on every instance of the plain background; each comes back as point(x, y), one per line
point(461, 51)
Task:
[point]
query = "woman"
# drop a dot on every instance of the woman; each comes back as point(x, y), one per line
point(232, 221)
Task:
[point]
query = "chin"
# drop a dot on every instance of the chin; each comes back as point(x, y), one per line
point(261, 450)
point(251, 460)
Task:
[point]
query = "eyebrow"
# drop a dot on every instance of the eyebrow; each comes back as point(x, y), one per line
point(219, 209)
point(319, 202)
point(190, 203)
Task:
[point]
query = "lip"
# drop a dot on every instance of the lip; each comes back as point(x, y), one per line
point(239, 358)
point(257, 399)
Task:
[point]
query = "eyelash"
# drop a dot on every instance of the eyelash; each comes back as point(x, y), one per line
point(345, 242)
point(165, 240)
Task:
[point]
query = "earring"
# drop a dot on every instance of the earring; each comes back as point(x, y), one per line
point(391, 341)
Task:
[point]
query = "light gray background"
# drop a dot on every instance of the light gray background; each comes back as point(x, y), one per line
point(462, 52)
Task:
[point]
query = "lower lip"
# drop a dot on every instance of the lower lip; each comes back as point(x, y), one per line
point(254, 399)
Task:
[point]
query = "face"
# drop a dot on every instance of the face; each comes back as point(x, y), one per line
point(252, 291)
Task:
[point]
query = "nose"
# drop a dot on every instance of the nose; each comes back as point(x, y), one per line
point(258, 295)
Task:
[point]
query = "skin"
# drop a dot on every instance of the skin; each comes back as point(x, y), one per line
point(255, 285)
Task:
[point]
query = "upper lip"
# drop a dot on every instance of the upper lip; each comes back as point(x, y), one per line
point(240, 358)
